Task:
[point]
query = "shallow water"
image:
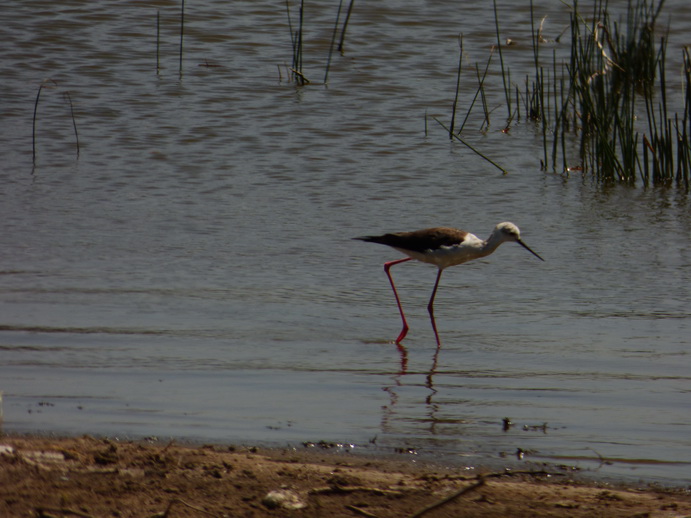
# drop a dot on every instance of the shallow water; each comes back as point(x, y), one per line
point(191, 274)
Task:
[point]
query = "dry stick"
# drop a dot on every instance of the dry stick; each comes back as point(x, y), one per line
point(360, 511)
point(455, 135)
point(333, 40)
point(42, 512)
point(167, 446)
point(480, 481)
point(355, 489)
point(452, 496)
point(166, 513)
point(345, 26)
point(74, 122)
point(519, 472)
point(300, 75)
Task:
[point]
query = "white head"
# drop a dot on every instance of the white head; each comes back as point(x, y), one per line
point(506, 231)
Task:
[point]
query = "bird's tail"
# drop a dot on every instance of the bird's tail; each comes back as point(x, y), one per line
point(382, 240)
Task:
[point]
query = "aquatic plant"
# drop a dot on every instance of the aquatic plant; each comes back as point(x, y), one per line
point(611, 96)
point(480, 92)
point(608, 97)
point(50, 83)
point(505, 72)
point(296, 39)
point(158, 42)
point(345, 26)
point(296, 36)
point(182, 31)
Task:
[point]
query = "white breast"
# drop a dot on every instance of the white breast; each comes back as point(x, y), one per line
point(446, 256)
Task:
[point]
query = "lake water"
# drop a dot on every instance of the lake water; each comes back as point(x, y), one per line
point(192, 275)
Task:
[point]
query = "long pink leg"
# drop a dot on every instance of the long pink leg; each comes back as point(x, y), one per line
point(430, 307)
point(387, 266)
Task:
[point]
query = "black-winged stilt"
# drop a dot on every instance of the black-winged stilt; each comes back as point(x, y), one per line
point(442, 247)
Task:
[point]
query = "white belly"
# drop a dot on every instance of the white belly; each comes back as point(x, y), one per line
point(445, 256)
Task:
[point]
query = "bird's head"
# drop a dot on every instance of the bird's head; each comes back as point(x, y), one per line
point(509, 232)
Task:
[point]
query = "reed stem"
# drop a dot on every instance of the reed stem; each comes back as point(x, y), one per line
point(458, 86)
point(33, 126)
point(68, 98)
point(481, 155)
point(507, 88)
point(333, 42)
point(74, 121)
point(182, 32)
point(158, 41)
point(345, 26)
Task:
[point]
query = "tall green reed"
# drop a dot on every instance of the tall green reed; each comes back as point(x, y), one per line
point(297, 41)
point(624, 99)
point(297, 74)
point(603, 108)
point(611, 97)
point(182, 33)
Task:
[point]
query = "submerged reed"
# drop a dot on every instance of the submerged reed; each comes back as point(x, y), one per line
point(296, 39)
point(50, 83)
point(458, 88)
point(74, 121)
point(182, 32)
point(505, 74)
point(333, 41)
point(345, 26)
point(33, 124)
point(158, 42)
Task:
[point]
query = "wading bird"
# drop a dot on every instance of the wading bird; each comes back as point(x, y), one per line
point(442, 247)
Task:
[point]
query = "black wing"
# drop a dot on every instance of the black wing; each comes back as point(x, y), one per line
point(420, 240)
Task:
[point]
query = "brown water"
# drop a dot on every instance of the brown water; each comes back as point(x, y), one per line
point(191, 274)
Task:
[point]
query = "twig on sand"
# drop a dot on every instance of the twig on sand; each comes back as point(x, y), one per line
point(165, 513)
point(360, 511)
point(452, 496)
point(45, 512)
point(353, 489)
point(479, 483)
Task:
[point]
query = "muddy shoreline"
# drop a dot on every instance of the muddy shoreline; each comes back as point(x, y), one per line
point(93, 477)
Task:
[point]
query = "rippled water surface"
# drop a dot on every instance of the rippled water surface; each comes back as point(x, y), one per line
point(192, 275)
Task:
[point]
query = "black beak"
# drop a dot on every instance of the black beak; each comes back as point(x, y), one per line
point(528, 249)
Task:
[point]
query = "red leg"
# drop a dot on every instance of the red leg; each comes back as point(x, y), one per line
point(430, 307)
point(387, 266)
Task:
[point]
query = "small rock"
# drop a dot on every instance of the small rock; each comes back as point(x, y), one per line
point(6, 449)
point(283, 498)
